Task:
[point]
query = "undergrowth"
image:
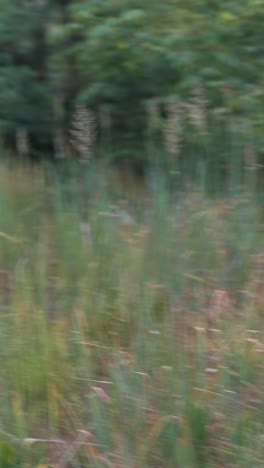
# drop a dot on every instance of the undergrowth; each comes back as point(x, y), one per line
point(131, 325)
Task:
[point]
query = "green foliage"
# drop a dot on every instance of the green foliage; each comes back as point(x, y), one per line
point(7, 456)
point(119, 54)
point(24, 84)
point(130, 325)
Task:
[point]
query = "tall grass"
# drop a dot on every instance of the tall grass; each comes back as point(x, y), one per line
point(131, 328)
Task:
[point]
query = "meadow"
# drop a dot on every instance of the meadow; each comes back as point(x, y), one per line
point(131, 323)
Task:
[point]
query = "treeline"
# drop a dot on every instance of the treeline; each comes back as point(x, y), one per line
point(183, 77)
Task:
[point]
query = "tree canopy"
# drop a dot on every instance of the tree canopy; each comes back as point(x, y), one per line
point(121, 54)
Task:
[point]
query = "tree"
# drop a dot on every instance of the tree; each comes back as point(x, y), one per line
point(119, 54)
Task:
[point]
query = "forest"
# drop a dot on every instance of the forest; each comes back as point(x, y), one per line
point(159, 81)
point(131, 233)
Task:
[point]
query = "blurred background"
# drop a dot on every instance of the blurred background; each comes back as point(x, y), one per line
point(131, 233)
point(160, 81)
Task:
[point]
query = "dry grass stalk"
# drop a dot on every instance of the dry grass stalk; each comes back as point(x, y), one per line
point(196, 109)
point(250, 163)
point(72, 449)
point(22, 141)
point(250, 158)
point(83, 132)
point(219, 305)
point(257, 282)
point(173, 129)
point(101, 394)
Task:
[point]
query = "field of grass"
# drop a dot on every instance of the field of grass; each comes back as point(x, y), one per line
point(131, 325)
